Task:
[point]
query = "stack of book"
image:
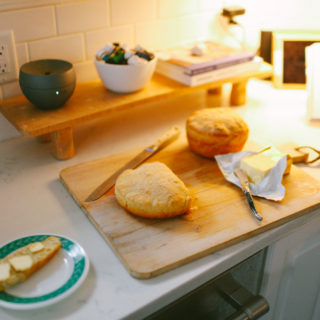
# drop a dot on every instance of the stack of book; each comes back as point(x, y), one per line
point(216, 63)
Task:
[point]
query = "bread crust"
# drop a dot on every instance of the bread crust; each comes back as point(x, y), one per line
point(152, 191)
point(51, 245)
point(216, 131)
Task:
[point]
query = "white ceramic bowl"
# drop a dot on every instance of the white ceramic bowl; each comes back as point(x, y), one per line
point(125, 78)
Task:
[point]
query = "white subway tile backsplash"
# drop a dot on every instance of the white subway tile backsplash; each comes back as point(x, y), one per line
point(85, 71)
point(215, 5)
point(190, 28)
point(187, 6)
point(22, 53)
point(29, 24)
point(90, 14)
point(129, 11)
point(20, 4)
point(68, 48)
point(98, 39)
point(157, 34)
point(207, 25)
point(169, 8)
point(11, 89)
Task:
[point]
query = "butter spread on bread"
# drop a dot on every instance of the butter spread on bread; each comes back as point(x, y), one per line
point(4, 271)
point(36, 246)
point(21, 264)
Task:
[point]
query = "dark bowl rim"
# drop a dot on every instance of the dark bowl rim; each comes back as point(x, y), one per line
point(41, 60)
point(69, 64)
point(67, 84)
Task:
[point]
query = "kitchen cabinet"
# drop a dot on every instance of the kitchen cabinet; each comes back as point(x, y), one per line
point(232, 295)
point(290, 272)
point(291, 281)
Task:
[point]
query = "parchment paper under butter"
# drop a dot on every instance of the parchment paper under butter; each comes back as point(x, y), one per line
point(270, 187)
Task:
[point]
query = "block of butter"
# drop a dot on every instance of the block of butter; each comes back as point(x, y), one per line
point(258, 165)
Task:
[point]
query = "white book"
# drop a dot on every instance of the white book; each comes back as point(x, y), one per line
point(313, 81)
point(214, 56)
point(177, 73)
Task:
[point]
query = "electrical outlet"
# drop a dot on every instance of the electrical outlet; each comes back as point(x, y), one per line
point(8, 57)
point(3, 67)
point(3, 51)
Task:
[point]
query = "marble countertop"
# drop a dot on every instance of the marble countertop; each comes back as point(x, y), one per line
point(35, 201)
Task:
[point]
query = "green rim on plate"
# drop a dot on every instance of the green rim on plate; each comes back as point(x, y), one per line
point(68, 245)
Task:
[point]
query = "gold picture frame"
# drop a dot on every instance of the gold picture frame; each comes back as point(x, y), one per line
point(288, 57)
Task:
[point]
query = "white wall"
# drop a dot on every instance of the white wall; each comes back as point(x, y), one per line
point(75, 29)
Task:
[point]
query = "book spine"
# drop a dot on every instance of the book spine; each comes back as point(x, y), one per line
point(215, 75)
point(221, 60)
point(173, 73)
point(223, 73)
point(222, 65)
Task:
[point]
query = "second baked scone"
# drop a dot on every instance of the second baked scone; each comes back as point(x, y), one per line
point(214, 131)
point(152, 191)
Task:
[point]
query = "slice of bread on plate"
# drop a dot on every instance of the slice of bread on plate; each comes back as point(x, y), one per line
point(21, 264)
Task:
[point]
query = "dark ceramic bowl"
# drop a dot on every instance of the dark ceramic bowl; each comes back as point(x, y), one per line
point(47, 84)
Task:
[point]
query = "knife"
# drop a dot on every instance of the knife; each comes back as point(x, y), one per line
point(246, 190)
point(146, 153)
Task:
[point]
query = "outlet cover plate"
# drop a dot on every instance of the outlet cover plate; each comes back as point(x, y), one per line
point(8, 57)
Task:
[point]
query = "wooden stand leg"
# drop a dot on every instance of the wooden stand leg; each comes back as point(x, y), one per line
point(44, 138)
point(62, 143)
point(214, 97)
point(239, 93)
point(215, 91)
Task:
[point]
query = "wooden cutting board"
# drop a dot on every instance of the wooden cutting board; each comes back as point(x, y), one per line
point(219, 216)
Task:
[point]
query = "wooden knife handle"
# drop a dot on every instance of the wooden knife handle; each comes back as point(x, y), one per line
point(167, 138)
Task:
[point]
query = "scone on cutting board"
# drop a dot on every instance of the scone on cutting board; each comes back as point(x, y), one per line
point(152, 191)
point(214, 131)
point(21, 264)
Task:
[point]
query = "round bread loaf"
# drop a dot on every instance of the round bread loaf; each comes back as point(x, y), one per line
point(216, 131)
point(152, 191)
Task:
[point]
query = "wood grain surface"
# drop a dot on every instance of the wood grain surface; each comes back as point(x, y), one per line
point(219, 216)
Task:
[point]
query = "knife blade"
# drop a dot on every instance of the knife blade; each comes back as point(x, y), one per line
point(146, 153)
point(246, 190)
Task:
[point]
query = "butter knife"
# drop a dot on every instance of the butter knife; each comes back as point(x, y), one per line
point(146, 153)
point(246, 190)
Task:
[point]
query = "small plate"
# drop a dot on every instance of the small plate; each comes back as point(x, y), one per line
point(64, 273)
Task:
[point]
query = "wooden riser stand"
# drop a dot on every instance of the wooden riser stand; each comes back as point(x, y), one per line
point(92, 100)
